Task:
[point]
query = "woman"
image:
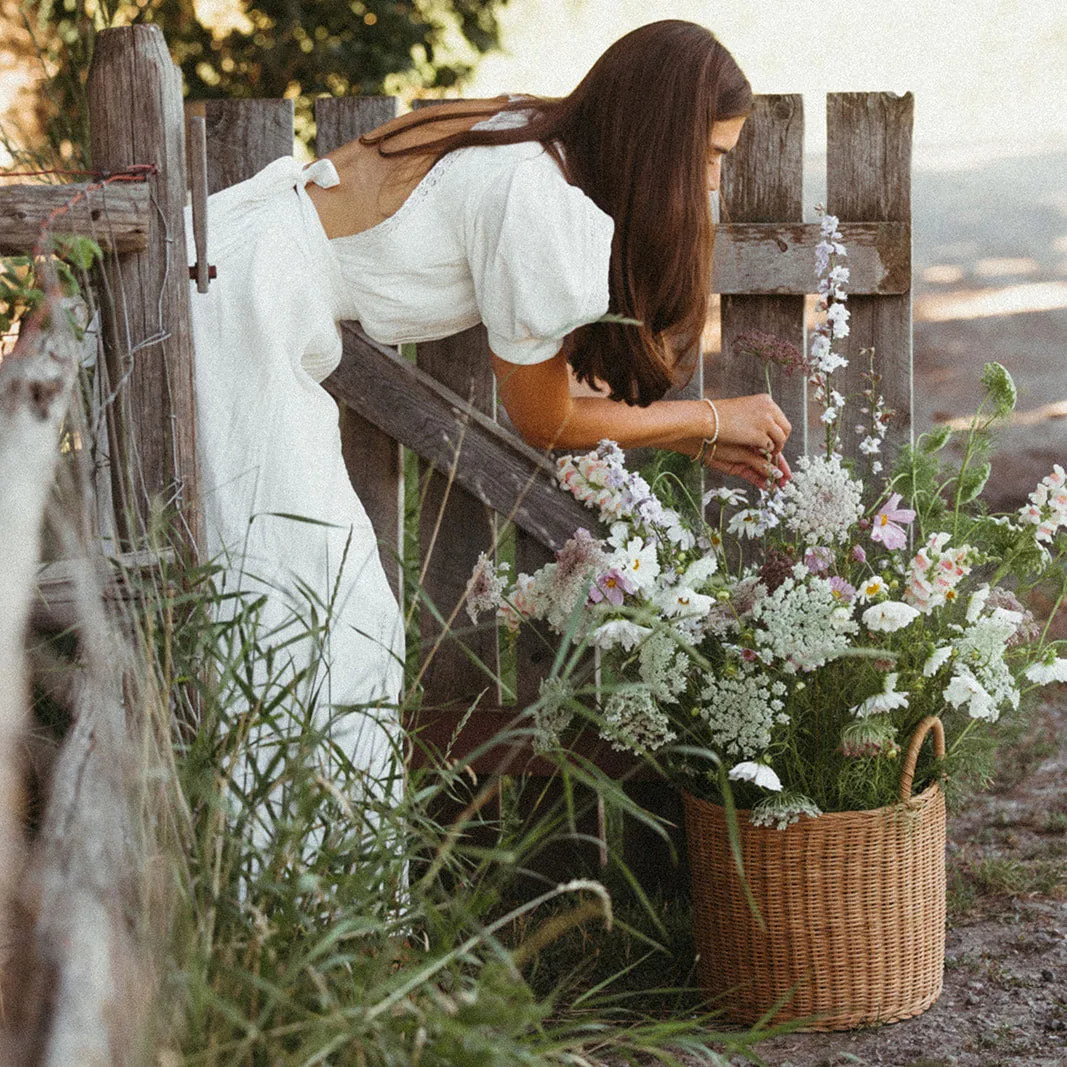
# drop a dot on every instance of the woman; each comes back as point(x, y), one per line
point(534, 216)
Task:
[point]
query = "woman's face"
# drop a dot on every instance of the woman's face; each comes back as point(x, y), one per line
point(724, 136)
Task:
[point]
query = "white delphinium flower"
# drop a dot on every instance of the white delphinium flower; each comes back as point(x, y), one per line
point(781, 810)
point(889, 616)
point(889, 699)
point(1047, 671)
point(964, 688)
point(638, 562)
point(634, 722)
point(837, 315)
point(664, 666)
point(802, 623)
point(552, 713)
point(486, 586)
point(823, 501)
point(619, 633)
point(741, 710)
point(757, 773)
point(938, 658)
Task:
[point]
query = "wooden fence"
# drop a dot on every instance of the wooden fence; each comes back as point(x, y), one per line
point(442, 406)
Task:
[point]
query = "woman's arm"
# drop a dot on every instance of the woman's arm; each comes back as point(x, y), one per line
point(752, 429)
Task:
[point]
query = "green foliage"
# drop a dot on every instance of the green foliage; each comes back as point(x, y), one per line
point(268, 49)
point(21, 285)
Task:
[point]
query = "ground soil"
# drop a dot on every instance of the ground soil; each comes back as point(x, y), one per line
point(986, 240)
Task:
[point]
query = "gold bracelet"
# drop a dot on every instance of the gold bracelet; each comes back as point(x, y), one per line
point(714, 438)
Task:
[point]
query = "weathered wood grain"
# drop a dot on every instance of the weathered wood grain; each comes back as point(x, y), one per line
point(869, 177)
point(374, 459)
point(498, 468)
point(135, 108)
point(35, 391)
point(243, 136)
point(454, 528)
point(116, 216)
point(763, 183)
point(196, 147)
point(779, 259)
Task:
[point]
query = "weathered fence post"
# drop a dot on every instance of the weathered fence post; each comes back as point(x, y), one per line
point(135, 111)
point(763, 181)
point(868, 179)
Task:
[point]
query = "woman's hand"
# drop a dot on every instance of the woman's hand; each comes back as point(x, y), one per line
point(753, 422)
point(752, 432)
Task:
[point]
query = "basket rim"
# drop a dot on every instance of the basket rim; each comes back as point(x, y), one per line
point(916, 801)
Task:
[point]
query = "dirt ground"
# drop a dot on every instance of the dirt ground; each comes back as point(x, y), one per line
point(991, 283)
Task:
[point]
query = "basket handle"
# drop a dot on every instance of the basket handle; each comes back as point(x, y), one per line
point(907, 773)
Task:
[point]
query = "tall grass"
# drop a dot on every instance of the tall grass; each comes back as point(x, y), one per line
point(326, 920)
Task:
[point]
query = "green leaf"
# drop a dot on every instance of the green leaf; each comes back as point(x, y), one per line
point(1000, 387)
point(80, 252)
point(972, 482)
point(935, 440)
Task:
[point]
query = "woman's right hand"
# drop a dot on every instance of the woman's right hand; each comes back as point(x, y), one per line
point(752, 432)
point(754, 422)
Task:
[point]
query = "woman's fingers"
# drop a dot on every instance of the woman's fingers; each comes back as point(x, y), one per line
point(759, 467)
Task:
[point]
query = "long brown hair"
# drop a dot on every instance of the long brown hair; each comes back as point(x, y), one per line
point(634, 137)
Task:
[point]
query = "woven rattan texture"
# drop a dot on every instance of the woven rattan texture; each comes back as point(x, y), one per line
point(854, 906)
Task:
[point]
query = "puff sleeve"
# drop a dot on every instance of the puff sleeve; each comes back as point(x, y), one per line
point(539, 250)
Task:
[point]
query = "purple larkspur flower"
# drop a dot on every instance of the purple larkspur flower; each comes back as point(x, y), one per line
point(611, 586)
point(858, 554)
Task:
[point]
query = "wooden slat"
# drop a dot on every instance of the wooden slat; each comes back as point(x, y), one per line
point(424, 415)
point(373, 458)
point(135, 107)
point(777, 258)
point(243, 136)
point(454, 527)
point(763, 183)
point(116, 216)
point(869, 177)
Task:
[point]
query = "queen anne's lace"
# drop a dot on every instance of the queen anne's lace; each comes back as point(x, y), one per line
point(823, 501)
point(633, 720)
point(802, 623)
point(741, 710)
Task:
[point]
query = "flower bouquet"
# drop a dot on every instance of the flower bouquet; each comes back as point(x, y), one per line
point(777, 655)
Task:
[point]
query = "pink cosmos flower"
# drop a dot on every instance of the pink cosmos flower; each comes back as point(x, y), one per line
point(884, 528)
point(611, 586)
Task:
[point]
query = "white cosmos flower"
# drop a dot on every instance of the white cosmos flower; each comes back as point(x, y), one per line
point(619, 633)
point(638, 562)
point(889, 616)
point(758, 773)
point(964, 688)
point(938, 658)
point(1043, 673)
point(730, 497)
point(887, 700)
point(746, 523)
point(870, 588)
point(680, 601)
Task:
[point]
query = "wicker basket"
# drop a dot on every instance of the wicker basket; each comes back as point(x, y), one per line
point(853, 905)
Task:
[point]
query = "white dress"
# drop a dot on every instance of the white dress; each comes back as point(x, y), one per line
point(491, 234)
